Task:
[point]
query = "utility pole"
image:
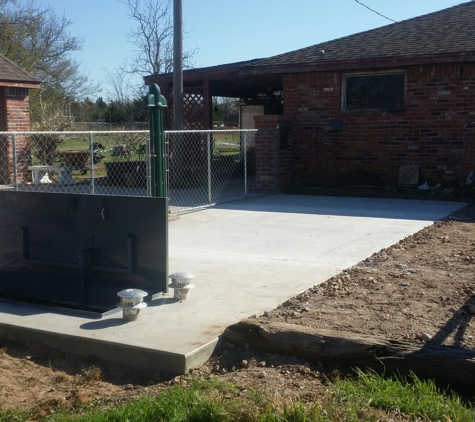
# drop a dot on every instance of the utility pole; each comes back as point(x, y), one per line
point(177, 65)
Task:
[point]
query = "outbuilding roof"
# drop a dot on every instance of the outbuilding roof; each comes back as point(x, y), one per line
point(12, 75)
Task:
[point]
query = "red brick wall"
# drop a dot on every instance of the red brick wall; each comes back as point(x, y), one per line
point(17, 111)
point(272, 135)
point(436, 130)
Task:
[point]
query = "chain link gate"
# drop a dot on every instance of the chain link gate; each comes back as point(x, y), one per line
point(209, 167)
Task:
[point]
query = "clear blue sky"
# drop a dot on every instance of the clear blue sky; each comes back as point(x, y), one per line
point(226, 31)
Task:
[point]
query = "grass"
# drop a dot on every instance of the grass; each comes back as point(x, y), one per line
point(13, 416)
point(410, 396)
point(368, 397)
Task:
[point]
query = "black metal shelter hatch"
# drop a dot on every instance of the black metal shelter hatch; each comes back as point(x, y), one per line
point(79, 251)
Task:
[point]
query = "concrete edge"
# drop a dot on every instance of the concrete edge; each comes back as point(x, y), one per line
point(154, 361)
point(201, 354)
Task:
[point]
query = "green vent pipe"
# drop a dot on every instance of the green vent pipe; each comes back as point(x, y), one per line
point(158, 167)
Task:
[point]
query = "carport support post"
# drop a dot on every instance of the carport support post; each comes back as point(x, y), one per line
point(156, 102)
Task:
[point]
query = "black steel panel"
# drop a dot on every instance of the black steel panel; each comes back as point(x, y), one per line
point(80, 250)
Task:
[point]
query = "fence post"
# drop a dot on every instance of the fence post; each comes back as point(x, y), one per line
point(208, 143)
point(246, 142)
point(15, 162)
point(277, 159)
point(91, 162)
point(149, 166)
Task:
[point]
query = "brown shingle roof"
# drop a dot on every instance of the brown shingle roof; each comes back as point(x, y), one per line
point(446, 36)
point(447, 32)
point(14, 76)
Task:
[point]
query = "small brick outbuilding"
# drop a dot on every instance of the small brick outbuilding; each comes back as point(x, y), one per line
point(15, 84)
point(393, 105)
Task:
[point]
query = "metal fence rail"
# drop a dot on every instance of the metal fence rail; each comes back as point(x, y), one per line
point(204, 167)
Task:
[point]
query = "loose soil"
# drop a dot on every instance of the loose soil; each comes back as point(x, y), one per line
point(422, 289)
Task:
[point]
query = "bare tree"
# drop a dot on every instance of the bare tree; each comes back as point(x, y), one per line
point(152, 37)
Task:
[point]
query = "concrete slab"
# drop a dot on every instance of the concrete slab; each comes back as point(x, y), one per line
point(247, 257)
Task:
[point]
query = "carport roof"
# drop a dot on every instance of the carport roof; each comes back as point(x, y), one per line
point(228, 80)
point(446, 36)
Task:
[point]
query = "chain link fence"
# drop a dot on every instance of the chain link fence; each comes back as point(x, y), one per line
point(106, 163)
point(204, 167)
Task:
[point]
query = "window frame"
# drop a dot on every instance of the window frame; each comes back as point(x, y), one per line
point(345, 76)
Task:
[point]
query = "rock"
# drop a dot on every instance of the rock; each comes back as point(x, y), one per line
point(244, 363)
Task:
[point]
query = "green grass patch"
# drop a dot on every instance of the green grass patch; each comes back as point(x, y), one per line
point(369, 397)
point(201, 401)
point(13, 416)
point(409, 396)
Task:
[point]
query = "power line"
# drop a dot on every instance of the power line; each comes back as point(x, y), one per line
point(374, 11)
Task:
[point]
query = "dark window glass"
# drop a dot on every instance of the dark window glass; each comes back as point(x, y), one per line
point(379, 92)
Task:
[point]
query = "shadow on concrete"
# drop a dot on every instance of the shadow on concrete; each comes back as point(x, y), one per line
point(161, 302)
point(405, 209)
point(103, 323)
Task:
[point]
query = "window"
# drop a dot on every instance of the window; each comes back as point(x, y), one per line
point(374, 92)
point(17, 92)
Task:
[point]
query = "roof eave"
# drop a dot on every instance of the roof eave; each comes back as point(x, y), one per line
point(20, 84)
point(223, 70)
point(241, 69)
point(370, 63)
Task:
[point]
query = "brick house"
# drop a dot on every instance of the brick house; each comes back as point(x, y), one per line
point(393, 105)
point(15, 84)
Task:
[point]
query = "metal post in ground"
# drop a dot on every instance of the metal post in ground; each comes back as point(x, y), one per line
point(148, 159)
point(91, 161)
point(277, 158)
point(245, 140)
point(15, 163)
point(208, 143)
